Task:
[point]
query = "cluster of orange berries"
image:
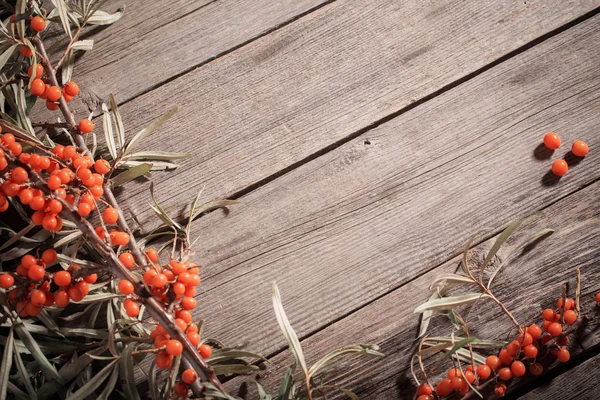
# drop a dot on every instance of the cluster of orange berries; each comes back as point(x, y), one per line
point(173, 282)
point(579, 149)
point(33, 284)
point(516, 358)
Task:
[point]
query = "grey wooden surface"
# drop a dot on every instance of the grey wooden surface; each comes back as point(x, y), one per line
point(368, 141)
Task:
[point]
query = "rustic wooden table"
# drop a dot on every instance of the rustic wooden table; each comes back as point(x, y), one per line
point(367, 142)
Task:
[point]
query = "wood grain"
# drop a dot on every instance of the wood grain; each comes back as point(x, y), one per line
point(527, 285)
point(401, 199)
point(283, 98)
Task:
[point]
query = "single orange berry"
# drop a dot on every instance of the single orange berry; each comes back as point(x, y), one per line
point(86, 126)
point(54, 182)
point(548, 314)
point(443, 389)
point(570, 316)
point(580, 148)
point(597, 297)
point(126, 259)
point(530, 351)
point(49, 256)
point(6, 281)
point(188, 303)
point(62, 278)
point(126, 287)
point(152, 255)
point(159, 281)
point(518, 368)
point(555, 329)
point(469, 376)
point(84, 209)
point(194, 338)
point(38, 87)
point(505, 357)
point(163, 360)
point(37, 297)
point(119, 238)
point(72, 89)
point(535, 331)
point(536, 369)
point(177, 267)
point(101, 166)
point(36, 273)
point(39, 71)
point(457, 383)
point(53, 93)
point(513, 348)
point(185, 315)
point(493, 362)
point(110, 215)
point(569, 303)
point(206, 351)
point(505, 374)
point(552, 141)
point(560, 167)
point(61, 298)
point(55, 206)
point(19, 175)
point(483, 371)
point(25, 51)
point(190, 376)
point(37, 23)
point(525, 340)
point(563, 355)
point(131, 308)
point(174, 347)
point(181, 389)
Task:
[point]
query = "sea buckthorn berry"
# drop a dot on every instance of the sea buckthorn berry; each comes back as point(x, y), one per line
point(505, 374)
point(84, 209)
point(84, 174)
point(525, 340)
point(181, 323)
point(500, 389)
point(72, 89)
point(159, 281)
point(8, 138)
point(152, 255)
point(119, 238)
point(530, 351)
point(51, 106)
point(493, 362)
point(597, 297)
point(101, 166)
point(424, 397)
point(38, 87)
point(548, 314)
point(205, 352)
point(536, 369)
point(61, 298)
point(19, 175)
point(535, 331)
point(149, 276)
point(569, 303)
point(28, 261)
point(570, 316)
point(38, 217)
point(131, 308)
point(483, 371)
point(552, 141)
point(457, 383)
point(181, 389)
point(49, 256)
point(126, 259)
point(39, 71)
point(562, 341)
point(100, 232)
point(190, 291)
point(444, 388)
point(174, 347)
point(160, 341)
point(545, 339)
point(55, 206)
point(469, 376)
point(15, 149)
point(6, 281)
point(75, 293)
point(177, 267)
point(194, 338)
point(126, 287)
point(49, 300)
point(580, 148)
point(513, 348)
point(169, 274)
point(190, 376)
point(560, 167)
point(96, 191)
point(69, 152)
point(184, 278)
point(33, 309)
point(54, 182)
point(25, 51)
point(188, 303)
point(505, 357)
point(53, 93)
point(37, 23)
point(36, 273)
point(178, 288)
point(563, 355)
point(185, 315)
point(26, 195)
point(195, 280)
point(91, 278)
point(163, 360)
point(86, 126)
point(518, 368)
point(38, 297)
point(110, 215)
point(555, 329)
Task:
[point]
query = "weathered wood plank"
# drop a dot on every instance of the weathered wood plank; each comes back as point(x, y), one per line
point(530, 283)
point(157, 40)
point(384, 208)
point(289, 95)
point(579, 383)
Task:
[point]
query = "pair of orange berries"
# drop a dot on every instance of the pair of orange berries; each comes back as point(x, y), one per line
point(579, 149)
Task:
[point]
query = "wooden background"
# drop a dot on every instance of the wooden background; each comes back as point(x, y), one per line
point(367, 142)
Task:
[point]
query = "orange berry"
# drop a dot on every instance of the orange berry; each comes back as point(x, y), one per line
point(152, 255)
point(548, 314)
point(597, 297)
point(457, 383)
point(563, 355)
point(505, 357)
point(25, 51)
point(53, 93)
point(560, 167)
point(119, 238)
point(513, 348)
point(178, 288)
point(15, 148)
point(126, 287)
point(72, 89)
point(84, 209)
point(163, 360)
point(49, 256)
point(36, 272)
point(525, 340)
point(96, 191)
point(6, 281)
point(38, 87)
point(190, 291)
point(101, 166)
point(86, 126)
point(37, 297)
point(177, 267)
point(483, 371)
point(39, 71)
point(552, 141)
point(19, 175)
point(149, 276)
point(563, 341)
point(535, 331)
point(469, 376)
point(205, 351)
point(181, 323)
point(555, 329)
point(190, 376)
point(580, 148)
point(570, 316)
point(530, 351)
point(518, 368)
point(92, 278)
point(185, 315)
point(443, 389)
point(55, 206)
point(159, 281)
point(33, 309)
point(126, 259)
point(569, 303)
point(536, 369)
point(61, 298)
point(38, 218)
point(181, 389)
point(188, 303)
point(37, 23)
point(493, 362)
point(110, 215)
point(75, 293)
point(131, 308)
point(194, 338)
point(174, 347)
point(54, 182)
point(184, 278)
point(160, 341)
point(505, 374)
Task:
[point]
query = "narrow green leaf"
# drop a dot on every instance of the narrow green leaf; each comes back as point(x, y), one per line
point(83, 45)
point(20, 9)
point(127, 370)
point(287, 330)
point(459, 345)
point(287, 383)
point(108, 132)
point(161, 212)
point(135, 140)
point(262, 395)
point(118, 120)
point(499, 242)
point(4, 57)
point(451, 278)
point(157, 155)
point(7, 359)
point(154, 390)
point(9, 126)
point(67, 66)
point(32, 345)
point(19, 236)
point(131, 174)
point(104, 18)
point(90, 387)
point(366, 349)
point(24, 374)
point(448, 303)
point(110, 385)
point(213, 205)
point(61, 6)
